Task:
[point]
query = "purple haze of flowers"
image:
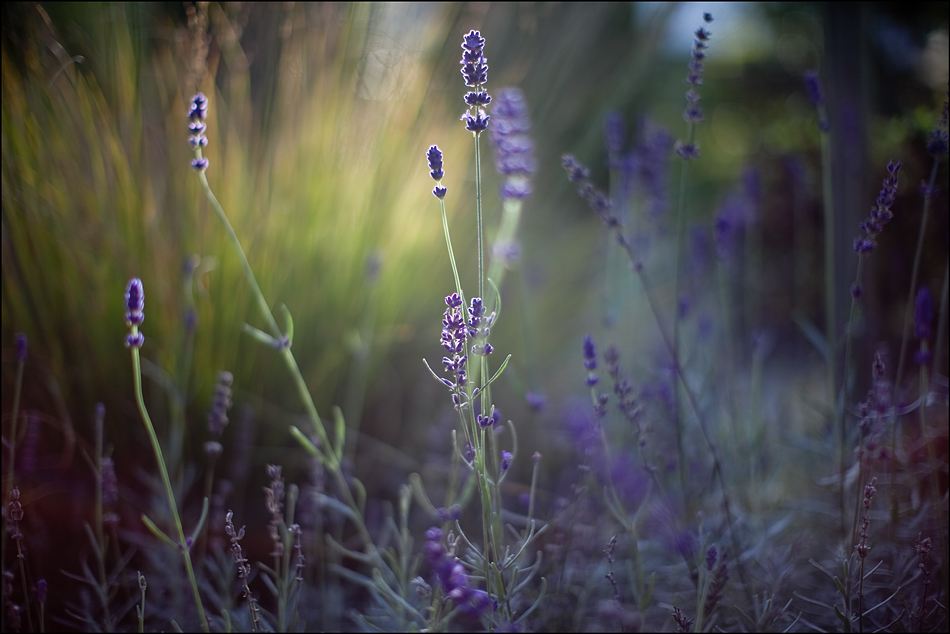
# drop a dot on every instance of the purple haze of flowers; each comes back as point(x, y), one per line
point(514, 150)
point(475, 72)
point(450, 574)
point(881, 212)
point(650, 165)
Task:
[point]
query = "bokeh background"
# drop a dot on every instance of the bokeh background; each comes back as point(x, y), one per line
point(320, 116)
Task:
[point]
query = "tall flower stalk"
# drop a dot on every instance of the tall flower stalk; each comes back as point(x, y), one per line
point(134, 316)
point(688, 150)
point(329, 452)
point(466, 326)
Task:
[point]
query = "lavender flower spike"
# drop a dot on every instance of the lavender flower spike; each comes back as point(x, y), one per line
point(475, 72)
point(514, 150)
point(197, 114)
point(434, 157)
point(135, 312)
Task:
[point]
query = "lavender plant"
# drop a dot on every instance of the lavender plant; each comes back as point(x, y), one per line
point(695, 478)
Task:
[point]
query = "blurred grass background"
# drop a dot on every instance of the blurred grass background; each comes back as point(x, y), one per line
point(320, 116)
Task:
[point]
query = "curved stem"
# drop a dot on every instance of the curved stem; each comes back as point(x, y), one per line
point(170, 494)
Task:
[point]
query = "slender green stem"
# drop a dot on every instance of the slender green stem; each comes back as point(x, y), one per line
point(170, 494)
point(678, 256)
point(448, 245)
point(258, 295)
point(478, 218)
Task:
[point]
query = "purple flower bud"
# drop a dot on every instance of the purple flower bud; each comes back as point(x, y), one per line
point(575, 171)
point(21, 346)
point(505, 460)
point(41, 589)
point(199, 107)
point(687, 151)
point(923, 313)
point(135, 341)
point(477, 99)
point(439, 192)
point(478, 123)
point(434, 156)
point(199, 164)
point(813, 87)
point(134, 302)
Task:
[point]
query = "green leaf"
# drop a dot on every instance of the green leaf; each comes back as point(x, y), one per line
point(340, 428)
point(308, 446)
point(201, 523)
point(497, 372)
point(289, 330)
point(840, 588)
point(497, 310)
point(155, 530)
point(261, 336)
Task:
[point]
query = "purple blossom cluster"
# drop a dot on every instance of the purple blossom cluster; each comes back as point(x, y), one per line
point(434, 157)
point(694, 77)
point(197, 114)
point(881, 212)
point(590, 364)
point(514, 149)
point(599, 202)
point(475, 72)
point(454, 334)
point(479, 327)
point(450, 574)
point(135, 312)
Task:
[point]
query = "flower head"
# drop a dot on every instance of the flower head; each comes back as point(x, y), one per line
point(218, 417)
point(475, 72)
point(197, 113)
point(881, 212)
point(505, 460)
point(477, 123)
point(434, 156)
point(135, 312)
point(514, 149)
